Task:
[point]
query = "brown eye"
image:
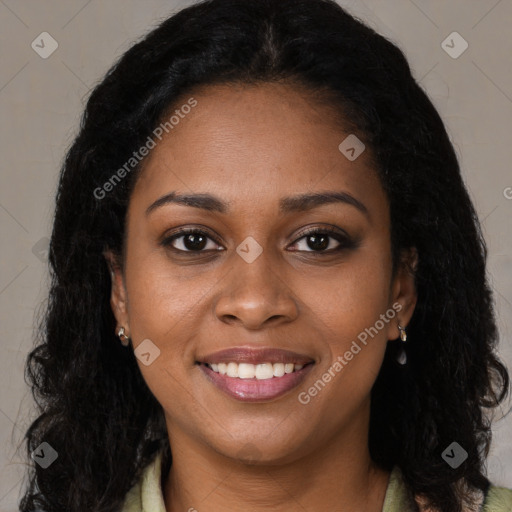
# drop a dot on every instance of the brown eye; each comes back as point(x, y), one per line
point(190, 240)
point(320, 240)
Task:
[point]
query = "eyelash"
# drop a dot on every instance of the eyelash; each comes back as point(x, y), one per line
point(344, 241)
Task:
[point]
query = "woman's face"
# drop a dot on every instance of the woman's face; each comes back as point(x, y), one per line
point(255, 280)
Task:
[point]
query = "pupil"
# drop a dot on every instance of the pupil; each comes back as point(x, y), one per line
point(191, 245)
point(318, 242)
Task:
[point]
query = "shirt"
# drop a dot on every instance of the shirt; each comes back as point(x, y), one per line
point(146, 495)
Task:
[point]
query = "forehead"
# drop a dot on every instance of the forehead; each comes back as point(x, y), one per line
point(257, 143)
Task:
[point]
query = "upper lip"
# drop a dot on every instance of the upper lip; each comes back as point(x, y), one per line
point(255, 356)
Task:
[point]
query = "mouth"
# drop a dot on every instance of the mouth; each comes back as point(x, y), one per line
point(255, 375)
point(261, 371)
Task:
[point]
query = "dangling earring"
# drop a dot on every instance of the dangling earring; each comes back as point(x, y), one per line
point(125, 340)
point(402, 356)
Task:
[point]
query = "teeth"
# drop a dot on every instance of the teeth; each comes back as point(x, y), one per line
point(232, 370)
point(260, 371)
point(278, 369)
point(264, 371)
point(246, 371)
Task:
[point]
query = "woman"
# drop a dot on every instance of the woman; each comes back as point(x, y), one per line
point(268, 282)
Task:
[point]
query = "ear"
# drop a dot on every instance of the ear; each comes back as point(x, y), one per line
point(403, 291)
point(118, 296)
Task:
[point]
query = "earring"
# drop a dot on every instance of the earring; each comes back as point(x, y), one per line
point(402, 356)
point(125, 340)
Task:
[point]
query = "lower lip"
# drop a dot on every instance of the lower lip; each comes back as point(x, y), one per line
point(256, 390)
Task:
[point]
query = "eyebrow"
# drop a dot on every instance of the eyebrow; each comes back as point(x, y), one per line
point(299, 203)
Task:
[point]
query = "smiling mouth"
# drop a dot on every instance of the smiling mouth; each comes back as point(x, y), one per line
point(262, 371)
point(255, 382)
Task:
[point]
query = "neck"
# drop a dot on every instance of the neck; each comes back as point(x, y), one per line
point(339, 475)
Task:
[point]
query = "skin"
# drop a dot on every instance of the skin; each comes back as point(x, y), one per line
point(251, 146)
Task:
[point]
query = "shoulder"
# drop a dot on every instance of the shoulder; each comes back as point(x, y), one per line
point(146, 495)
point(498, 499)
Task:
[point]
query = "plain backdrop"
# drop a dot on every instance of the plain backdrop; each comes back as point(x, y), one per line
point(41, 100)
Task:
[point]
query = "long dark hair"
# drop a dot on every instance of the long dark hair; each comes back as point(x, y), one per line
point(94, 407)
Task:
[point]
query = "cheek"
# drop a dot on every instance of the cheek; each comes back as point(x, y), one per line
point(170, 319)
point(348, 313)
point(354, 296)
point(162, 298)
point(164, 308)
point(169, 308)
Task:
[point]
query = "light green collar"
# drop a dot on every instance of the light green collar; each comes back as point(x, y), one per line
point(396, 499)
point(146, 495)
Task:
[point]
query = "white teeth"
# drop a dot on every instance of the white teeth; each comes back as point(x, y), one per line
point(246, 371)
point(264, 371)
point(288, 368)
point(232, 370)
point(278, 369)
point(261, 371)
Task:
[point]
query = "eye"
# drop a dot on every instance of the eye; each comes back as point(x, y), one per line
point(190, 240)
point(321, 239)
point(318, 240)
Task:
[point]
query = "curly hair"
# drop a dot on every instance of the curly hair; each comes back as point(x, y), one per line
point(95, 409)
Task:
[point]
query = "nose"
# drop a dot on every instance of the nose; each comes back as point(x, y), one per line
point(255, 295)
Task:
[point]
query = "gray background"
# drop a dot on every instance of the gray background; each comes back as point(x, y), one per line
point(41, 101)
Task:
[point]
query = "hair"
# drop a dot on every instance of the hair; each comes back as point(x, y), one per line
point(95, 409)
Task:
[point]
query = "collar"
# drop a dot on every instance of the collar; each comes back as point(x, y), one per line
point(146, 495)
